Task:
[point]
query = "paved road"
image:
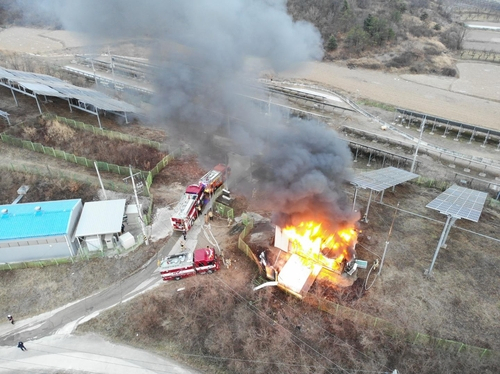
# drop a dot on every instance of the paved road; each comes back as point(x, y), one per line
point(51, 346)
point(84, 354)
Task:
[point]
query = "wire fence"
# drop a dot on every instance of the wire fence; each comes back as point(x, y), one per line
point(83, 161)
point(66, 175)
point(101, 132)
point(244, 246)
point(149, 175)
point(394, 331)
point(472, 54)
point(224, 210)
point(83, 255)
point(57, 153)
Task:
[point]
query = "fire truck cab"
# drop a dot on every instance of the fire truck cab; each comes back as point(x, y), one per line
point(187, 209)
point(201, 261)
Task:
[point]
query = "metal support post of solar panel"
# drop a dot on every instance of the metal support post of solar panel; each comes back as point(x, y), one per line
point(456, 203)
point(374, 152)
point(378, 181)
point(459, 126)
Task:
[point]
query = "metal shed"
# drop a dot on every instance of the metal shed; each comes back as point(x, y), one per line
point(38, 231)
point(101, 221)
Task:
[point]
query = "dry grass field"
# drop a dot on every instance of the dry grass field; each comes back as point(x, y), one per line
point(218, 324)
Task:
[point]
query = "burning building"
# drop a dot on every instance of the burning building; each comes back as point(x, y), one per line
point(306, 252)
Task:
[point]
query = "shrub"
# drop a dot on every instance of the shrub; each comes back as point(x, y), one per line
point(449, 72)
point(59, 131)
point(332, 43)
point(418, 68)
point(377, 29)
point(432, 51)
point(357, 39)
point(403, 60)
point(453, 37)
point(396, 16)
point(420, 31)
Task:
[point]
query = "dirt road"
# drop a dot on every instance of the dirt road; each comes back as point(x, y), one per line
point(473, 99)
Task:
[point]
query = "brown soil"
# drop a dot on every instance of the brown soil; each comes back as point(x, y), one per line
point(28, 292)
point(43, 188)
point(185, 171)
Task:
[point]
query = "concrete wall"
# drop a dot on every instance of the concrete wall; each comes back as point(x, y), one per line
point(35, 249)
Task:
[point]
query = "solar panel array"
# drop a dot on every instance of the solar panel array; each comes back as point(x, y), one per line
point(46, 85)
point(381, 179)
point(447, 122)
point(460, 202)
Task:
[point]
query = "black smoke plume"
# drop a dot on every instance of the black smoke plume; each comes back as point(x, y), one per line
point(206, 52)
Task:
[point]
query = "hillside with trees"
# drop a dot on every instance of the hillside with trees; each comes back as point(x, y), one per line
point(418, 36)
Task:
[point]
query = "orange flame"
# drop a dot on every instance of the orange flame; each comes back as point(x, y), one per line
point(312, 243)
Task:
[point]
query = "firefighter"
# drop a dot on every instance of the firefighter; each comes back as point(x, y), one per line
point(21, 346)
point(10, 318)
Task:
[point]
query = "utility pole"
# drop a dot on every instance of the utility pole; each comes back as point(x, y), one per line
point(100, 181)
point(139, 210)
point(93, 69)
point(112, 69)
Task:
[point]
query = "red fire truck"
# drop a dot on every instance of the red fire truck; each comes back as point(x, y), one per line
point(193, 200)
point(201, 261)
point(187, 209)
point(215, 178)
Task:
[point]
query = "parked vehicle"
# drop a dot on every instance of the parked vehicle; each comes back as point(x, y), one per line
point(201, 261)
point(196, 196)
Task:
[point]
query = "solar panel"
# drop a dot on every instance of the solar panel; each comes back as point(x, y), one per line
point(381, 179)
point(460, 202)
point(42, 84)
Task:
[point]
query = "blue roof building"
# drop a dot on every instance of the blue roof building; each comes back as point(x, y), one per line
point(37, 231)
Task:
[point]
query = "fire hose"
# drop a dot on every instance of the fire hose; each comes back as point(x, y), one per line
point(374, 267)
point(207, 228)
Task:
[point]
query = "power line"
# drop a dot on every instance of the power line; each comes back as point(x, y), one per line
point(336, 337)
point(266, 318)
